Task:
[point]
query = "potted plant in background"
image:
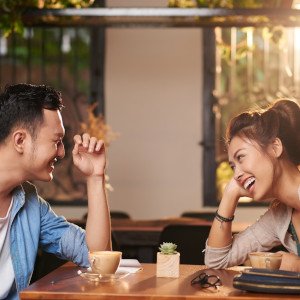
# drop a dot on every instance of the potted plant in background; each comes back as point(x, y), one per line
point(168, 260)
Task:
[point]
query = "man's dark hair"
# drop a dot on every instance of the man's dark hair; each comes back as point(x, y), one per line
point(22, 105)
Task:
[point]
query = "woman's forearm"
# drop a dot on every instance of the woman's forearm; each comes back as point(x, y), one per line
point(221, 231)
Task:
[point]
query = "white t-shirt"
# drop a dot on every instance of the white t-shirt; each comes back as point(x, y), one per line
point(7, 275)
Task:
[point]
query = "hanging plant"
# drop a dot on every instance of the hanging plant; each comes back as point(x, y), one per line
point(11, 11)
point(231, 3)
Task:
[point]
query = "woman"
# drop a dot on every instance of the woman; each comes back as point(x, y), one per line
point(264, 153)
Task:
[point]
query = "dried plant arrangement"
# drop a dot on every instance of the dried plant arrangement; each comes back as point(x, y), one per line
point(97, 127)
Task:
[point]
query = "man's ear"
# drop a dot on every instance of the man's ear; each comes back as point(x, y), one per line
point(277, 147)
point(19, 140)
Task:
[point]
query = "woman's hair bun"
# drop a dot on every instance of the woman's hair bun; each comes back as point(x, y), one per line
point(288, 112)
point(281, 119)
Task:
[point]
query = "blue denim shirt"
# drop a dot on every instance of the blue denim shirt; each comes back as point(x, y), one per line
point(34, 224)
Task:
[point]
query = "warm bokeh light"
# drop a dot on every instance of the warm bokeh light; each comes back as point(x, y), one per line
point(296, 4)
point(297, 37)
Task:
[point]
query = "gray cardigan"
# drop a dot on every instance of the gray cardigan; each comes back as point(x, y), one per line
point(270, 230)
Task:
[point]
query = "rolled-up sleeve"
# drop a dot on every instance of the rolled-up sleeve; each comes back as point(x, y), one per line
point(74, 247)
point(64, 239)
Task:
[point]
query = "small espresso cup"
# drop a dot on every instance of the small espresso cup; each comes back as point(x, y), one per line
point(104, 262)
point(265, 260)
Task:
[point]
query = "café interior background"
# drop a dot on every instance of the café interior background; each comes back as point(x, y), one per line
point(153, 92)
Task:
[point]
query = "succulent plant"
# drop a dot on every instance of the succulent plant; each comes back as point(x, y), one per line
point(168, 248)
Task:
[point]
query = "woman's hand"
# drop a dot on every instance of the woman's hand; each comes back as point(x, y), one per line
point(234, 191)
point(221, 234)
point(290, 262)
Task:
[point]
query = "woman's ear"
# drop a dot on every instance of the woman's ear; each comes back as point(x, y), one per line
point(276, 147)
point(19, 140)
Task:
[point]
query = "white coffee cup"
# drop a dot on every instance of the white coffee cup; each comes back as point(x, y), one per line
point(265, 260)
point(104, 262)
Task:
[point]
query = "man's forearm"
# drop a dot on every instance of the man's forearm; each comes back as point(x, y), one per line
point(98, 225)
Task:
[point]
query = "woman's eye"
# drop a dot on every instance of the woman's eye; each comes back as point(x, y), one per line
point(239, 157)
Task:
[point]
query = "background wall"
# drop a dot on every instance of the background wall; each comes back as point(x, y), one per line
point(153, 96)
point(153, 92)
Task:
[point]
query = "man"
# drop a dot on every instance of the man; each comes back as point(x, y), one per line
point(31, 133)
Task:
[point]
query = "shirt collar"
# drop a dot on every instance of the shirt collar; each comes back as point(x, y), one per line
point(18, 200)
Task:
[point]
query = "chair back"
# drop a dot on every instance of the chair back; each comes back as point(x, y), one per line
point(114, 243)
point(208, 216)
point(190, 241)
point(114, 214)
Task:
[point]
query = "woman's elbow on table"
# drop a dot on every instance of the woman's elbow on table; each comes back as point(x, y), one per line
point(215, 263)
point(216, 258)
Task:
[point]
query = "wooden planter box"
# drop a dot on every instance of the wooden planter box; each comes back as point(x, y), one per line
point(167, 265)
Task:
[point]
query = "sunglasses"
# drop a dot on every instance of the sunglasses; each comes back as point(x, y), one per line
point(206, 281)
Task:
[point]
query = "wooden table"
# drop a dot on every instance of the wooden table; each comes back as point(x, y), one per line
point(160, 224)
point(64, 283)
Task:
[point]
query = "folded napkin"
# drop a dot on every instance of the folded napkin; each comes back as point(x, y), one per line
point(129, 266)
